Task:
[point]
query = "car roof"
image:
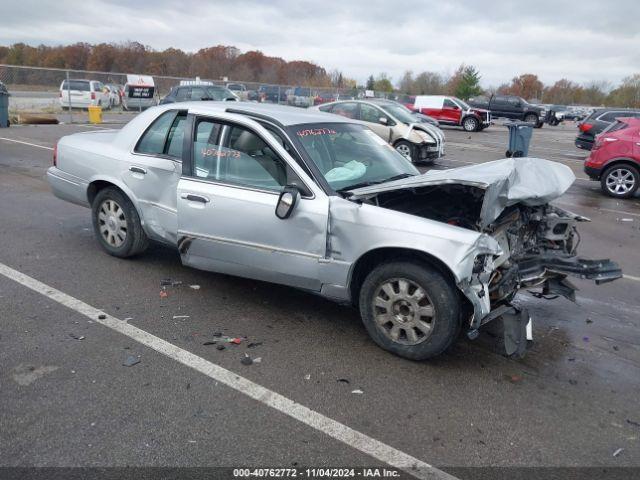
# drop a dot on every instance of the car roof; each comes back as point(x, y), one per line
point(283, 114)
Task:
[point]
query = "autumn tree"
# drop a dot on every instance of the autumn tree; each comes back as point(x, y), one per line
point(527, 86)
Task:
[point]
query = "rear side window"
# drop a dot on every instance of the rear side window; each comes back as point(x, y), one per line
point(326, 108)
point(611, 116)
point(614, 127)
point(164, 136)
point(349, 110)
point(77, 85)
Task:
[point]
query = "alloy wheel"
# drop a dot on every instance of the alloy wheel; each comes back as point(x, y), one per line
point(620, 181)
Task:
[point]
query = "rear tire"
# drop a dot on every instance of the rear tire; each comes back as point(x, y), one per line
point(116, 224)
point(470, 124)
point(620, 181)
point(420, 306)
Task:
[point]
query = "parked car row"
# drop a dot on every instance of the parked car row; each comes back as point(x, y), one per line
point(138, 93)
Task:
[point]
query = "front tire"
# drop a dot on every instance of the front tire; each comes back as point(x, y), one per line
point(116, 224)
point(620, 181)
point(410, 309)
point(531, 118)
point(470, 124)
point(407, 150)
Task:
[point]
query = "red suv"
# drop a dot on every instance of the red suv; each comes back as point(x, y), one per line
point(452, 111)
point(615, 158)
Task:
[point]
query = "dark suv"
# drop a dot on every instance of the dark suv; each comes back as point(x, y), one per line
point(188, 93)
point(512, 107)
point(595, 123)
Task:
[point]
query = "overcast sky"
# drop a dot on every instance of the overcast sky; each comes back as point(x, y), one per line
point(581, 40)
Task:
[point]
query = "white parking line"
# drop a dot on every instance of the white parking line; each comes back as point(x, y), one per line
point(631, 277)
point(333, 428)
point(26, 143)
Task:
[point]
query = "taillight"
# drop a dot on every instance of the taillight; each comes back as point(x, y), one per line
point(585, 127)
point(55, 155)
point(93, 95)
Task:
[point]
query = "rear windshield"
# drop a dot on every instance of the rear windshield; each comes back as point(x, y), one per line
point(81, 85)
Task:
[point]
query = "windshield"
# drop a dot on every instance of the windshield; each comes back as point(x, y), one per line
point(462, 104)
point(350, 155)
point(400, 112)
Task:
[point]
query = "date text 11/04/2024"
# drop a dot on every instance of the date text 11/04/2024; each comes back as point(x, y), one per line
point(316, 473)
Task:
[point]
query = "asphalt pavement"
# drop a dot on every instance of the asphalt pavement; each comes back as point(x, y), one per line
point(67, 399)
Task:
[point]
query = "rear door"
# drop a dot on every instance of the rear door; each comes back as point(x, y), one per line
point(226, 207)
point(153, 170)
point(500, 106)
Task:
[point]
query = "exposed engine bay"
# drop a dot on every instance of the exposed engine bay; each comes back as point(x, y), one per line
point(539, 243)
point(508, 201)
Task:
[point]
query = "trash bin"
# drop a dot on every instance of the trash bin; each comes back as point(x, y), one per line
point(4, 106)
point(519, 138)
point(95, 114)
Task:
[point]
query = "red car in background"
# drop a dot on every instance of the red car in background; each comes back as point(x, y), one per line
point(615, 158)
point(452, 111)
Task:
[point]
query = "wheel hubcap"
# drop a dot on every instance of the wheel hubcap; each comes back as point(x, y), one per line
point(620, 181)
point(470, 124)
point(112, 223)
point(403, 311)
point(404, 150)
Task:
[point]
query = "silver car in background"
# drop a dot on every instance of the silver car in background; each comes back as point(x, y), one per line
point(394, 123)
point(321, 203)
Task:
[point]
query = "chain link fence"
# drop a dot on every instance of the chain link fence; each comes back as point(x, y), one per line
point(50, 91)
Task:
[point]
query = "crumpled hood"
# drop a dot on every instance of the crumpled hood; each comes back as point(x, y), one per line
point(531, 181)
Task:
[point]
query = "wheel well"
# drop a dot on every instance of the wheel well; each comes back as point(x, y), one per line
point(620, 161)
point(95, 187)
point(528, 114)
point(367, 262)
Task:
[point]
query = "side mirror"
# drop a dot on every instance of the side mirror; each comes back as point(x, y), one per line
point(287, 202)
point(455, 107)
point(231, 99)
point(383, 120)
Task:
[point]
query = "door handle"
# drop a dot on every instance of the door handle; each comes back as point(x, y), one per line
point(138, 170)
point(195, 198)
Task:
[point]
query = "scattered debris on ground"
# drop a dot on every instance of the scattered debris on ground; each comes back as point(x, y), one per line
point(194, 287)
point(631, 422)
point(76, 336)
point(131, 360)
point(167, 282)
point(180, 317)
point(102, 316)
point(246, 360)
point(164, 293)
point(514, 378)
point(307, 376)
point(343, 380)
point(254, 344)
point(357, 392)
point(618, 452)
point(220, 347)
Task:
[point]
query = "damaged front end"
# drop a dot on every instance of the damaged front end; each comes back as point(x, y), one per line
point(507, 200)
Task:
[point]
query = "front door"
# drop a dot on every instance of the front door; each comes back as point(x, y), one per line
point(226, 209)
point(372, 116)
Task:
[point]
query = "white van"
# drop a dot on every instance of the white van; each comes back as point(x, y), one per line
point(139, 93)
point(83, 94)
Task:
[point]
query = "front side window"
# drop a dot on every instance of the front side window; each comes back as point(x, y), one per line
point(369, 113)
point(350, 155)
point(164, 136)
point(449, 103)
point(236, 155)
